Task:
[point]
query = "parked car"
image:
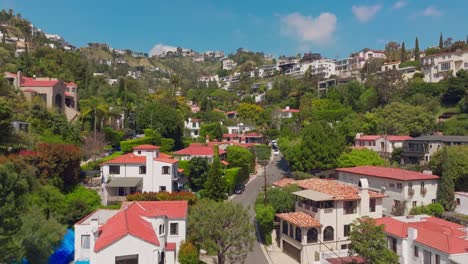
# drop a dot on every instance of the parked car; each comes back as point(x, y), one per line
point(275, 152)
point(240, 188)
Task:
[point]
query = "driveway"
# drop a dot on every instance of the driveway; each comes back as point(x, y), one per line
point(275, 170)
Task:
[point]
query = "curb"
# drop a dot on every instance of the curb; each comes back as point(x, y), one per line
point(262, 246)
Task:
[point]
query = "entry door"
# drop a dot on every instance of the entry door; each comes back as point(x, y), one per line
point(427, 257)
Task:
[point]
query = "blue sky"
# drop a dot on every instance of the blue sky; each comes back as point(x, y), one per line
point(334, 28)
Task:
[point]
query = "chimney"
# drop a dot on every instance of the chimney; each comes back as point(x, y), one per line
point(364, 194)
point(207, 139)
point(287, 107)
point(95, 226)
point(427, 172)
point(412, 233)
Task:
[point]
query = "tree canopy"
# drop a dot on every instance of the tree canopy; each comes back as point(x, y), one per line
point(360, 157)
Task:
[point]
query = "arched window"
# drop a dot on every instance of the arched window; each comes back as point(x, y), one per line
point(312, 235)
point(328, 234)
point(285, 227)
point(298, 235)
point(166, 170)
point(160, 229)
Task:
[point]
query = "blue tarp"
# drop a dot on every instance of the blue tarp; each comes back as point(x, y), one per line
point(65, 253)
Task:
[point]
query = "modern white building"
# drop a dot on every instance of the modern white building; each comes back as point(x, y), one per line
point(145, 232)
point(193, 125)
point(438, 66)
point(421, 149)
point(461, 200)
point(383, 144)
point(359, 60)
point(228, 64)
point(323, 68)
point(323, 215)
point(406, 72)
point(143, 170)
point(403, 189)
point(426, 239)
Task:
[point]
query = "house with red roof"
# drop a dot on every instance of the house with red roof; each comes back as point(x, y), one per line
point(193, 125)
point(404, 189)
point(53, 92)
point(199, 150)
point(288, 112)
point(426, 239)
point(383, 144)
point(461, 200)
point(138, 232)
point(324, 211)
point(145, 169)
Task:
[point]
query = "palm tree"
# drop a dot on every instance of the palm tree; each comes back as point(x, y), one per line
point(94, 105)
point(175, 79)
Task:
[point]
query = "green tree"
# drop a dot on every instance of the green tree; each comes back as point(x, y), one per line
point(360, 157)
point(265, 215)
point(403, 52)
point(215, 185)
point(281, 199)
point(457, 88)
point(239, 157)
point(222, 227)
point(435, 209)
point(95, 106)
point(446, 191)
point(391, 50)
point(249, 113)
point(6, 119)
point(369, 241)
point(457, 158)
point(214, 130)
point(416, 50)
point(79, 203)
point(188, 253)
point(197, 171)
point(441, 41)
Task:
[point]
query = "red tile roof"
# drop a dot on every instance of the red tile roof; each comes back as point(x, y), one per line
point(197, 151)
point(164, 156)
point(389, 137)
point(231, 135)
point(398, 138)
point(300, 219)
point(171, 161)
point(290, 110)
point(347, 260)
point(251, 134)
point(369, 137)
point(29, 91)
point(224, 162)
point(130, 221)
point(129, 158)
point(71, 84)
point(339, 191)
point(433, 232)
point(171, 246)
point(146, 147)
point(390, 173)
point(10, 75)
point(180, 170)
point(32, 82)
point(68, 94)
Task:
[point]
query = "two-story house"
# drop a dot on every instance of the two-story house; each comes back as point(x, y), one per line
point(403, 189)
point(323, 215)
point(144, 232)
point(439, 66)
point(383, 144)
point(143, 170)
point(199, 150)
point(288, 112)
point(193, 125)
point(426, 239)
point(421, 149)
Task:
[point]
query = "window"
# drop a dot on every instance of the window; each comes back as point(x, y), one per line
point(466, 65)
point(399, 186)
point(162, 188)
point(298, 234)
point(372, 203)
point(74, 89)
point(285, 227)
point(445, 66)
point(350, 207)
point(312, 235)
point(394, 244)
point(415, 203)
point(347, 230)
point(161, 229)
point(139, 152)
point(433, 201)
point(291, 230)
point(85, 241)
point(410, 185)
point(142, 169)
point(416, 251)
point(392, 185)
point(328, 234)
point(114, 169)
point(130, 259)
point(174, 229)
point(166, 170)
point(437, 259)
point(422, 184)
point(344, 246)
point(458, 201)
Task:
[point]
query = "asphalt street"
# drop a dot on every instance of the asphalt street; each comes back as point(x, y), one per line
point(275, 171)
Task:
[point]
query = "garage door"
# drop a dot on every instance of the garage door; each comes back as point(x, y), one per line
point(292, 251)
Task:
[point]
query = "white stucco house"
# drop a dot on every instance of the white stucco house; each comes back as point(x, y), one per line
point(461, 200)
point(426, 239)
point(144, 232)
point(323, 215)
point(193, 126)
point(438, 66)
point(199, 150)
point(288, 112)
point(143, 170)
point(383, 144)
point(403, 189)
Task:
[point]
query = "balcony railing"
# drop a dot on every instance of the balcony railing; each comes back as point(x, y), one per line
point(423, 191)
point(410, 192)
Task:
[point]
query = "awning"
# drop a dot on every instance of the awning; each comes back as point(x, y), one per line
point(125, 182)
point(314, 195)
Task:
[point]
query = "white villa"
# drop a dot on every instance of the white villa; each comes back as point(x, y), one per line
point(383, 144)
point(322, 219)
point(193, 125)
point(145, 232)
point(403, 189)
point(438, 66)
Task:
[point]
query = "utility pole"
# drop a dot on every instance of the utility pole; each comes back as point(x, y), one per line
point(264, 163)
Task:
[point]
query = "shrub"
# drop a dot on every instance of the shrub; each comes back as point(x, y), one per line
point(265, 216)
point(188, 253)
point(232, 178)
point(128, 145)
point(435, 209)
point(299, 175)
point(112, 136)
point(167, 144)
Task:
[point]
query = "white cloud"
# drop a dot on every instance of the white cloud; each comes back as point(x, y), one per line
point(399, 4)
point(317, 30)
point(160, 48)
point(365, 13)
point(431, 11)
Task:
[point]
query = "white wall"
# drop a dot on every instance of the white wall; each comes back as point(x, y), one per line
point(463, 207)
point(129, 245)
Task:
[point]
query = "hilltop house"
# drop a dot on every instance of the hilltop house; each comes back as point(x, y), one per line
point(323, 215)
point(53, 92)
point(288, 112)
point(193, 125)
point(421, 149)
point(145, 232)
point(198, 150)
point(438, 66)
point(143, 170)
point(383, 144)
point(426, 239)
point(403, 189)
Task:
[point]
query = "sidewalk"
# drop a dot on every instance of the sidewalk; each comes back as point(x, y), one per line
point(274, 254)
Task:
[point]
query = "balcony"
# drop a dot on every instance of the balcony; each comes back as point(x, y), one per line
point(410, 192)
point(423, 191)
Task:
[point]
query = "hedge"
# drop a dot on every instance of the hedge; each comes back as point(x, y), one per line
point(167, 144)
point(128, 145)
point(265, 216)
point(232, 178)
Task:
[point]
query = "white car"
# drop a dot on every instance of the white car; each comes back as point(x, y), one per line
point(276, 152)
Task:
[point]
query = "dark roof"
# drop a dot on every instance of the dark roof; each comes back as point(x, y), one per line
point(441, 138)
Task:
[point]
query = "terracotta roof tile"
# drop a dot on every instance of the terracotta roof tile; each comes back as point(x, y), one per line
point(32, 82)
point(171, 161)
point(198, 151)
point(129, 158)
point(390, 173)
point(299, 219)
point(146, 147)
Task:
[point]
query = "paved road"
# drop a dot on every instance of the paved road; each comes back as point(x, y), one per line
point(275, 171)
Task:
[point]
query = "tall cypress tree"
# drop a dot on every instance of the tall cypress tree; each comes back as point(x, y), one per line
point(215, 185)
point(403, 52)
point(446, 192)
point(441, 41)
point(416, 50)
